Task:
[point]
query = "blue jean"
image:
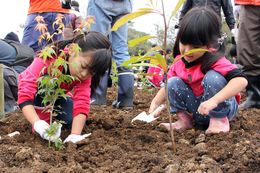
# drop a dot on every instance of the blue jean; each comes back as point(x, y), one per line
point(7, 53)
point(63, 107)
point(106, 13)
point(31, 35)
point(182, 98)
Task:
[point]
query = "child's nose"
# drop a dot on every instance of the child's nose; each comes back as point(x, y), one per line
point(188, 48)
point(84, 73)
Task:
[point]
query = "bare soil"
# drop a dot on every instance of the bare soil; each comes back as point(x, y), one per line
point(116, 145)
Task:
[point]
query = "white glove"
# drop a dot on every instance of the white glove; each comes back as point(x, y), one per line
point(76, 138)
point(41, 126)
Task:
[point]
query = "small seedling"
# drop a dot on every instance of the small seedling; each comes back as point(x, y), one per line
point(156, 59)
point(52, 76)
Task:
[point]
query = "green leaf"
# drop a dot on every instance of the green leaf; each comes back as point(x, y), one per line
point(47, 52)
point(154, 49)
point(143, 64)
point(161, 61)
point(194, 51)
point(139, 59)
point(58, 144)
point(137, 41)
point(74, 49)
point(177, 7)
point(59, 62)
point(124, 19)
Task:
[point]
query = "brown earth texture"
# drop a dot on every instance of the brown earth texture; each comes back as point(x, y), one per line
point(116, 145)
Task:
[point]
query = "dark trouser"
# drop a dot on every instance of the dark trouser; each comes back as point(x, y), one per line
point(10, 89)
point(31, 35)
point(125, 90)
point(248, 43)
point(107, 13)
point(248, 52)
point(63, 108)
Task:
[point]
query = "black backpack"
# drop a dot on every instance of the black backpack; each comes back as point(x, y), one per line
point(25, 54)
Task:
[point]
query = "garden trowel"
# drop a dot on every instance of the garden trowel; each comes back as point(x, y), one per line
point(143, 116)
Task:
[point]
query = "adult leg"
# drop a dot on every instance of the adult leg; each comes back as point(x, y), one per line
point(10, 89)
point(103, 25)
point(31, 35)
point(125, 76)
point(248, 52)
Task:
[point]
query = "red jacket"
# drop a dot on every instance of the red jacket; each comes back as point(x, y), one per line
point(248, 2)
point(41, 6)
point(27, 87)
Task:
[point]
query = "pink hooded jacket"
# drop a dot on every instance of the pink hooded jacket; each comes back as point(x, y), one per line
point(27, 88)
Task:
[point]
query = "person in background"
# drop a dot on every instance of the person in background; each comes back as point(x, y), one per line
point(216, 6)
point(15, 57)
point(48, 10)
point(75, 5)
point(75, 19)
point(107, 12)
point(10, 89)
point(12, 36)
point(169, 55)
point(248, 49)
point(203, 86)
point(88, 66)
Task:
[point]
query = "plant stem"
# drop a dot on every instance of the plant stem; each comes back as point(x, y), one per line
point(165, 30)
point(51, 117)
point(166, 88)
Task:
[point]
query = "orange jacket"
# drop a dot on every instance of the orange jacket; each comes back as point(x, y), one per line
point(41, 6)
point(248, 2)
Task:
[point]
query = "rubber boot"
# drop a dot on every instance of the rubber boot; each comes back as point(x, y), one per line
point(125, 89)
point(184, 122)
point(99, 96)
point(253, 93)
point(217, 125)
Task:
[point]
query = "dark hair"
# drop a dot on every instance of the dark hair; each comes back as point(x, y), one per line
point(199, 27)
point(168, 50)
point(12, 36)
point(66, 4)
point(75, 5)
point(100, 48)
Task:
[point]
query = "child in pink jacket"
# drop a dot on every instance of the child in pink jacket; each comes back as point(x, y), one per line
point(88, 66)
point(202, 85)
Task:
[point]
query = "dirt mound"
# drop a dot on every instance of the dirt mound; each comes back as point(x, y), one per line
point(118, 146)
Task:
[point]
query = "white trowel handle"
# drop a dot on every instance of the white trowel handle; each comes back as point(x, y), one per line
point(158, 110)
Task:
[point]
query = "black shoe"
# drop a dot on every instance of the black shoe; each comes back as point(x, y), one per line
point(249, 104)
point(96, 102)
point(253, 93)
point(118, 105)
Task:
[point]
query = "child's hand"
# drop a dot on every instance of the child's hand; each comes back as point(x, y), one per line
point(206, 106)
point(152, 108)
point(41, 126)
point(76, 138)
